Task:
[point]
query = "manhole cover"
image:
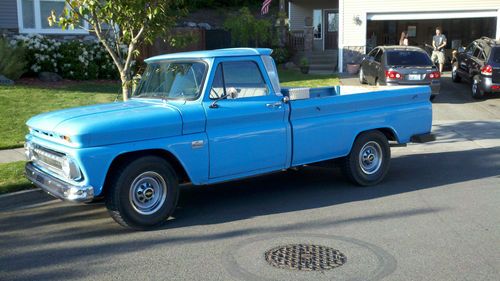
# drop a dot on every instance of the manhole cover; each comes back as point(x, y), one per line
point(305, 257)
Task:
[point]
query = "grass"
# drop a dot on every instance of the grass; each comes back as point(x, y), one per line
point(294, 78)
point(19, 103)
point(12, 177)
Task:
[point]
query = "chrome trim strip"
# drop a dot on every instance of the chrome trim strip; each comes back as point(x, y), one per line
point(57, 187)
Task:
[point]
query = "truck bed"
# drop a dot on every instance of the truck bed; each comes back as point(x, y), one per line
point(327, 120)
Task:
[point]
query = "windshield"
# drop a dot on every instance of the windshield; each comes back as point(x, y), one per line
point(171, 80)
point(408, 58)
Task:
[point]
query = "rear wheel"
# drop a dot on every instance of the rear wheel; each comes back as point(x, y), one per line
point(368, 162)
point(454, 74)
point(143, 193)
point(362, 79)
point(475, 89)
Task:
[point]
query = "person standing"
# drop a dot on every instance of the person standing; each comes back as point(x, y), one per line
point(403, 39)
point(438, 43)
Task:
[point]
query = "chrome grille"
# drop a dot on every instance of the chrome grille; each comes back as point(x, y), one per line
point(48, 159)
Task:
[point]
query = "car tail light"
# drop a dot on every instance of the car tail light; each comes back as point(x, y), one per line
point(495, 87)
point(487, 70)
point(392, 74)
point(434, 75)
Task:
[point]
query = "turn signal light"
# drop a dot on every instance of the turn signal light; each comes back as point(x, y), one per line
point(391, 74)
point(435, 75)
point(487, 70)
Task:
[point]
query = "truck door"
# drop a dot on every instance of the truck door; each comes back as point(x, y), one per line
point(247, 130)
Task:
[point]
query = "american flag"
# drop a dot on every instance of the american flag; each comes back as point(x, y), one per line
point(265, 6)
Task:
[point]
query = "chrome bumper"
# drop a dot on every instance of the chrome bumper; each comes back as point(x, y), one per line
point(57, 187)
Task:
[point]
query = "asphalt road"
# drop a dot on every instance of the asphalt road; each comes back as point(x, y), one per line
point(435, 217)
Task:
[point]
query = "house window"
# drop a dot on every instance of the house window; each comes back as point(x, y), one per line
point(318, 24)
point(33, 14)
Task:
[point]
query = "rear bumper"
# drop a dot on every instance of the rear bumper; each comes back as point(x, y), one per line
point(423, 138)
point(488, 86)
point(58, 188)
point(435, 86)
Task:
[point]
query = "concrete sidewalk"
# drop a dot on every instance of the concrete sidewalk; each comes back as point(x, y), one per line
point(12, 155)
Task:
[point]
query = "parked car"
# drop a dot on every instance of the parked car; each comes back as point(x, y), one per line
point(479, 64)
point(400, 65)
point(213, 116)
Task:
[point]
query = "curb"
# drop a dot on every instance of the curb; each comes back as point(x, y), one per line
point(24, 198)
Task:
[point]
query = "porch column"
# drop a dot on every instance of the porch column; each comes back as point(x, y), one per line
point(340, 60)
point(308, 35)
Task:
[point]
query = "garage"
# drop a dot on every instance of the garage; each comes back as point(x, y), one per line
point(460, 28)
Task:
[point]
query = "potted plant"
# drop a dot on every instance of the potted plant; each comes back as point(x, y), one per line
point(353, 63)
point(304, 65)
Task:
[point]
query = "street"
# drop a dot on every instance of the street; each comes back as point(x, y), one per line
point(436, 216)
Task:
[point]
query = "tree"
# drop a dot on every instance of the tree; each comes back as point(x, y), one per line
point(122, 25)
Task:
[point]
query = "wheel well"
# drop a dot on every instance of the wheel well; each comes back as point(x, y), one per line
point(389, 133)
point(130, 156)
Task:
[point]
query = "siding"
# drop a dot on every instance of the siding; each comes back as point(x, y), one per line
point(8, 14)
point(300, 9)
point(354, 35)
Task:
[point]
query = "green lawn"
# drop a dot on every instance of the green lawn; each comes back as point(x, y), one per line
point(12, 177)
point(19, 103)
point(294, 78)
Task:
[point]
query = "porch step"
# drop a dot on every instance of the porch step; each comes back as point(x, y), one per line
point(322, 60)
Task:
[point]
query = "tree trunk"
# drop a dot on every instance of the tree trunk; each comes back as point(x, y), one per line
point(126, 86)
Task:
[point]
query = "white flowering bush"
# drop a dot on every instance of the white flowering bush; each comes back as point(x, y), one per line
point(72, 59)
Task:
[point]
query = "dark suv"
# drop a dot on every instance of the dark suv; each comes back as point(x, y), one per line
point(479, 64)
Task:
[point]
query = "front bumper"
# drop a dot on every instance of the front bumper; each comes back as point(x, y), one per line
point(57, 187)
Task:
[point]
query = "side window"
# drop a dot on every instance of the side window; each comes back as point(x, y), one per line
point(470, 48)
point(477, 52)
point(244, 79)
point(217, 89)
point(378, 57)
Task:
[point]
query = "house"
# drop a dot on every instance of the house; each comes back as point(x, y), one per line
point(323, 29)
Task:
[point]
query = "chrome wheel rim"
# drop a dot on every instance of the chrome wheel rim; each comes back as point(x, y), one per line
point(370, 158)
point(454, 73)
point(148, 193)
point(361, 76)
point(474, 87)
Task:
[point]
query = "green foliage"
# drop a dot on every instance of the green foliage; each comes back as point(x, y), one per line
point(12, 60)
point(304, 62)
point(196, 4)
point(247, 31)
point(12, 177)
point(281, 55)
point(74, 59)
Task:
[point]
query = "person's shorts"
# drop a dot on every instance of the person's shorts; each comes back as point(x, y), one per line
point(439, 56)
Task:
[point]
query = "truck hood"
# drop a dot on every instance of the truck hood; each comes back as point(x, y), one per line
point(110, 123)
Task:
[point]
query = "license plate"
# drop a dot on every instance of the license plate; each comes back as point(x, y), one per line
point(414, 77)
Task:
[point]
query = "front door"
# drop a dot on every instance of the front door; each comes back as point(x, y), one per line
point(247, 131)
point(332, 29)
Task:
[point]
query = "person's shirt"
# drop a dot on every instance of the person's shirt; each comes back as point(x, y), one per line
point(438, 40)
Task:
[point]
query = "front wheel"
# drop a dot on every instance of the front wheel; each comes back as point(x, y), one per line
point(368, 162)
point(454, 75)
point(362, 79)
point(143, 193)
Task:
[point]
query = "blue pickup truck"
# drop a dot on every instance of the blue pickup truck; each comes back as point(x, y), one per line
point(213, 116)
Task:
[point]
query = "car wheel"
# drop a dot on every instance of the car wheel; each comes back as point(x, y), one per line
point(476, 91)
point(362, 79)
point(143, 193)
point(454, 75)
point(368, 162)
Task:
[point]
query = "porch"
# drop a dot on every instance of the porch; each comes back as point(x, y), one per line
point(314, 32)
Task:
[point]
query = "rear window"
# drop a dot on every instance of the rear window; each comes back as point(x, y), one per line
point(495, 56)
point(408, 58)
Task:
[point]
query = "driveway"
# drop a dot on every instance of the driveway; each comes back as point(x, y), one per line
point(435, 217)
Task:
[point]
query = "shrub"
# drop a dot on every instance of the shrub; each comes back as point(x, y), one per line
point(247, 31)
point(281, 55)
point(72, 59)
point(12, 60)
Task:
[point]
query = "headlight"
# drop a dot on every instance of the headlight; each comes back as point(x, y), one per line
point(70, 169)
point(28, 150)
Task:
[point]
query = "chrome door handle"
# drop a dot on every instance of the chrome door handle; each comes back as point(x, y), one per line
point(274, 105)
